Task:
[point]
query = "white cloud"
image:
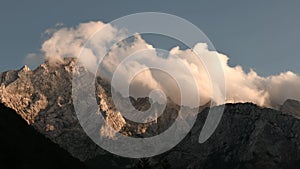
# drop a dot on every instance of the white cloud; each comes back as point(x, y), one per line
point(240, 86)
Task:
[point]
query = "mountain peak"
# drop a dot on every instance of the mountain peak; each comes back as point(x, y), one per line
point(25, 68)
point(43, 98)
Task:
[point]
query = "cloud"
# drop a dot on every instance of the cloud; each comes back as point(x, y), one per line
point(186, 66)
point(68, 42)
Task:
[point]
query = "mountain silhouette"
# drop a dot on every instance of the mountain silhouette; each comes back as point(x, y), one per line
point(22, 147)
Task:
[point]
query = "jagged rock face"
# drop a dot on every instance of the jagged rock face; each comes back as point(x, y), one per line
point(291, 107)
point(8, 77)
point(127, 127)
point(43, 98)
point(247, 137)
point(18, 92)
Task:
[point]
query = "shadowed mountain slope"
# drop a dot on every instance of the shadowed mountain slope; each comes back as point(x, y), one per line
point(247, 137)
point(22, 147)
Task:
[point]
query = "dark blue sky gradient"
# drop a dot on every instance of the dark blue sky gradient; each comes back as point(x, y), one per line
point(255, 34)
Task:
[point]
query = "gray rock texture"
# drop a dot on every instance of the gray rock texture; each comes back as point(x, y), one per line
point(291, 107)
point(248, 136)
point(43, 98)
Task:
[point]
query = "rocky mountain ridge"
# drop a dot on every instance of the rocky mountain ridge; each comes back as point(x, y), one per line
point(247, 137)
point(43, 98)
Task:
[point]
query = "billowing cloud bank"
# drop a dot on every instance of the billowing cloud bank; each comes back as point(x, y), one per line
point(240, 86)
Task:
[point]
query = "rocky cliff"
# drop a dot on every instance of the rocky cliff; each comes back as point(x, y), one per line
point(247, 137)
point(43, 98)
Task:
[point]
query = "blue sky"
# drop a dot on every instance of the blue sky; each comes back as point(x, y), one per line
point(255, 34)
